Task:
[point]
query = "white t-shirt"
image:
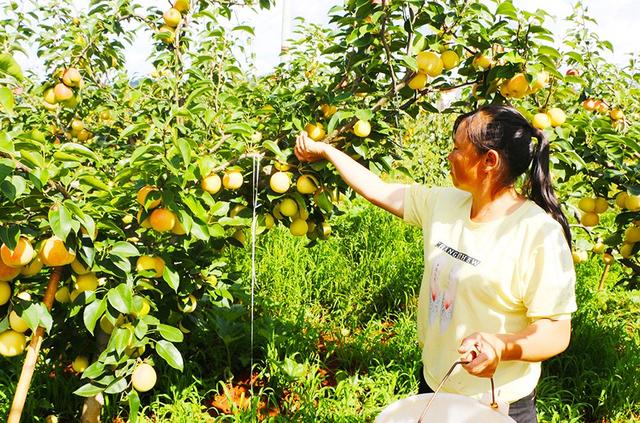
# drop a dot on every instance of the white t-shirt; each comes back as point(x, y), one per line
point(495, 277)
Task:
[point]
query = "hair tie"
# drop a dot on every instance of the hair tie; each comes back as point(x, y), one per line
point(543, 141)
point(539, 134)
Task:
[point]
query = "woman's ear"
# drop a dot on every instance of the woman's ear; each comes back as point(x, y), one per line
point(491, 161)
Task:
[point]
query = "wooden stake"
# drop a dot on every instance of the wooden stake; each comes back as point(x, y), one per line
point(33, 350)
point(603, 277)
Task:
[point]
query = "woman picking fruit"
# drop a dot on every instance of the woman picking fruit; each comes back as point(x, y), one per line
point(498, 276)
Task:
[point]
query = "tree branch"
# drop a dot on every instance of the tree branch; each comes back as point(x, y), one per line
point(26, 169)
point(432, 89)
point(387, 51)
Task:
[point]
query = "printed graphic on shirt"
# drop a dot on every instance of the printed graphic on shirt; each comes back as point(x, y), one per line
point(457, 254)
point(443, 283)
point(435, 299)
point(448, 297)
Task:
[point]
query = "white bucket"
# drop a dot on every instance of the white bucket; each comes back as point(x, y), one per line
point(446, 408)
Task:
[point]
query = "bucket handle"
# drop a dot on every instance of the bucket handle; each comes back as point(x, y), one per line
point(493, 404)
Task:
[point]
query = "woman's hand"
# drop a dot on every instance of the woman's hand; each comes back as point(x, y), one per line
point(483, 353)
point(308, 150)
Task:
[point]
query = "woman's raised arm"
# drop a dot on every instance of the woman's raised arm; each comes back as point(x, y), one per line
point(387, 196)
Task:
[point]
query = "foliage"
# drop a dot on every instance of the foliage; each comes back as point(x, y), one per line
point(75, 155)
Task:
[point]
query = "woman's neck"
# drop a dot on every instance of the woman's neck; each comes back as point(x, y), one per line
point(489, 204)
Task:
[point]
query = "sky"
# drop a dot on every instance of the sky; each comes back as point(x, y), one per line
point(617, 22)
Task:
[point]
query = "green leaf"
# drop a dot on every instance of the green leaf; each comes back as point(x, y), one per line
point(121, 263)
point(61, 156)
point(133, 129)
point(121, 298)
point(93, 181)
point(88, 390)
point(79, 149)
point(170, 354)
point(6, 168)
point(410, 61)
point(141, 329)
point(124, 249)
point(62, 222)
point(10, 235)
point(196, 208)
point(361, 149)
point(120, 339)
point(92, 313)
point(239, 128)
point(273, 147)
point(549, 51)
point(37, 315)
point(7, 102)
point(185, 151)
point(9, 66)
point(94, 370)
point(141, 151)
point(337, 118)
point(13, 187)
point(170, 333)
point(117, 386)
point(507, 9)
point(364, 114)
point(244, 28)
point(6, 144)
point(134, 405)
point(171, 277)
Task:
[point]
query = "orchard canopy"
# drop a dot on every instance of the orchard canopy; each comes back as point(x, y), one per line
point(128, 190)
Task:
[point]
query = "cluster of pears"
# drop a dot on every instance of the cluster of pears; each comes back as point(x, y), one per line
point(432, 64)
point(295, 209)
point(63, 92)
point(555, 116)
point(316, 131)
point(172, 18)
point(79, 131)
point(592, 208)
point(232, 180)
point(600, 106)
point(26, 261)
point(518, 85)
point(13, 340)
point(631, 237)
point(83, 280)
point(152, 215)
point(626, 201)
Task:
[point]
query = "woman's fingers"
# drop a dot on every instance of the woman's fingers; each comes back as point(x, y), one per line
point(478, 355)
point(304, 148)
point(301, 149)
point(297, 152)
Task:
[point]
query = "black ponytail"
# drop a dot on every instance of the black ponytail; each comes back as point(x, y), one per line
point(505, 130)
point(538, 184)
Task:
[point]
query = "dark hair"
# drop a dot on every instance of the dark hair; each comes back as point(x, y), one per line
point(505, 130)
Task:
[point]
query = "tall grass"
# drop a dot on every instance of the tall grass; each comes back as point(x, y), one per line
point(335, 339)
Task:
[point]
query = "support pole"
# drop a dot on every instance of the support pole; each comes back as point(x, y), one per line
point(603, 277)
point(284, 29)
point(33, 351)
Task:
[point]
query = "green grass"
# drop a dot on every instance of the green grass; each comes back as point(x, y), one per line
point(335, 339)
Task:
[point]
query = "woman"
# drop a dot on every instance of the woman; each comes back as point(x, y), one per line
point(498, 277)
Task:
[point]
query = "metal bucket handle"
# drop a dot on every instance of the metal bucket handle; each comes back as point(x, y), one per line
point(493, 404)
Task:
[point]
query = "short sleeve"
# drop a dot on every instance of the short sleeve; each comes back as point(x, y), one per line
point(549, 282)
point(417, 201)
